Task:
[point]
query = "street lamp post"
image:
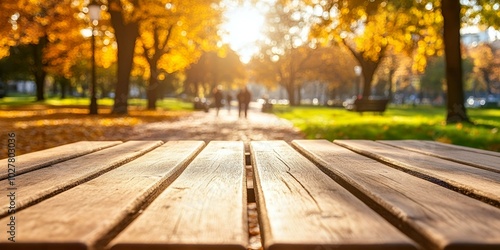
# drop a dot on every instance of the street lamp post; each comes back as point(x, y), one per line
point(95, 14)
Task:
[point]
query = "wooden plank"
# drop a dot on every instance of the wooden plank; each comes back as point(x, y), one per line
point(476, 182)
point(436, 144)
point(89, 213)
point(205, 208)
point(302, 208)
point(458, 154)
point(436, 217)
point(40, 184)
point(32, 161)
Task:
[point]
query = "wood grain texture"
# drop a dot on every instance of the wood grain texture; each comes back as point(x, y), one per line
point(40, 184)
point(437, 144)
point(205, 208)
point(88, 213)
point(302, 208)
point(466, 156)
point(478, 182)
point(32, 161)
point(436, 217)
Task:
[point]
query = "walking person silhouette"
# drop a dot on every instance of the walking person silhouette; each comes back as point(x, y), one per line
point(218, 99)
point(244, 98)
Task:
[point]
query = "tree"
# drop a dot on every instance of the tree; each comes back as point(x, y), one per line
point(306, 64)
point(393, 70)
point(37, 26)
point(125, 22)
point(370, 28)
point(174, 35)
point(485, 67)
point(162, 31)
point(419, 23)
point(455, 107)
point(14, 66)
point(485, 10)
point(213, 69)
point(283, 55)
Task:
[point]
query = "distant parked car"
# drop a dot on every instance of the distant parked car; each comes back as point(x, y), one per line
point(475, 102)
point(492, 101)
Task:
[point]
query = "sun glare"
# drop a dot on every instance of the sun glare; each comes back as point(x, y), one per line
point(243, 28)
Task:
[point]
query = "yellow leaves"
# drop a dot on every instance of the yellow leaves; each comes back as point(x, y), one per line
point(174, 62)
point(361, 13)
point(344, 11)
point(430, 51)
point(411, 29)
point(53, 127)
point(444, 139)
point(415, 29)
point(42, 20)
point(482, 56)
point(176, 33)
point(107, 57)
point(52, 19)
point(419, 63)
point(4, 50)
point(438, 18)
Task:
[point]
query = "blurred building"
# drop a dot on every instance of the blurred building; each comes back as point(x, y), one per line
point(473, 36)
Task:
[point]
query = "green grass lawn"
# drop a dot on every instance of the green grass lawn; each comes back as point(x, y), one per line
point(397, 123)
point(20, 101)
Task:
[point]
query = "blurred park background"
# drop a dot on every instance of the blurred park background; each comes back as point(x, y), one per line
point(131, 62)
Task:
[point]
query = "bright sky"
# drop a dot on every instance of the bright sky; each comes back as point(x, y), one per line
point(243, 29)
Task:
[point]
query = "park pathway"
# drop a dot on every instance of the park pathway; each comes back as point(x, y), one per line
point(226, 126)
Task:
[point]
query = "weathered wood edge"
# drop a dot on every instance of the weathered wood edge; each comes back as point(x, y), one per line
point(467, 189)
point(341, 179)
point(263, 218)
point(92, 241)
point(397, 144)
point(375, 205)
point(22, 203)
point(112, 244)
point(53, 155)
point(154, 246)
point(103, 242)
point(268, 239)
point(475, 150)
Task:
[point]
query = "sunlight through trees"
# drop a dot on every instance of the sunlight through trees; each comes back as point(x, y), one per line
point(143, 45)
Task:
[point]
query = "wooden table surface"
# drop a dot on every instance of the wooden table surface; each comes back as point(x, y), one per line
point(310, 194)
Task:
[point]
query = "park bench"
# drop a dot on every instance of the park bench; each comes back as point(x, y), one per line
point(369, 105)
point(310, 194)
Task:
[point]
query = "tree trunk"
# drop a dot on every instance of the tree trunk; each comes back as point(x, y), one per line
point(40, 85)
point(299, 95)
point(392, 71)
point(152, 91)
point(126, 34)
point(456, 111)
point(368, 72)
point(64, 82)
point(368, 68)
point(39, 67)
point(290, 90)
point(487, 80)
point(390, 88)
